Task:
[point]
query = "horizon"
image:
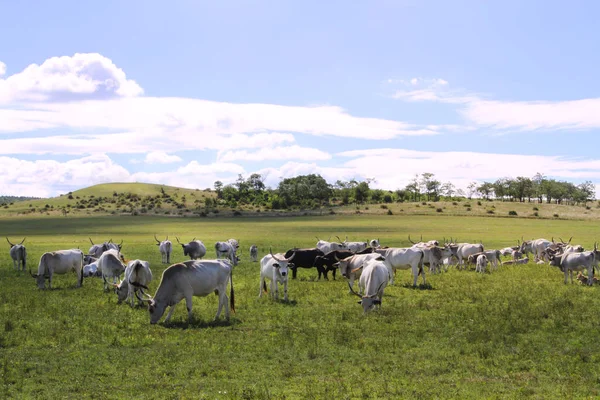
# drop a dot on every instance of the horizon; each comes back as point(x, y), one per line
point(192, 93)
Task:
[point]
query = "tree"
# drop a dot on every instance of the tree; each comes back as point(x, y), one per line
point(486, 189)
point(471, 190)
point(448, 189)
point(361, 192)
point(256, 183)
point(413, 187)
point(218, 188)
point(588, 191)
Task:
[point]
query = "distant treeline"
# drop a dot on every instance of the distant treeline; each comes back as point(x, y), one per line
point(313, 191)
point(12, 199)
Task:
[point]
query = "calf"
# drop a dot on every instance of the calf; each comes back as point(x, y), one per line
point(274, 267)
point(254, 253)
point(137, 277)
point(328, 262)
point(481, 263)
point(304, 258)
point(373, 280)
point(165, 248)
point(111, 266)
point(492, 256)
point(18, 253)
point(226, 250)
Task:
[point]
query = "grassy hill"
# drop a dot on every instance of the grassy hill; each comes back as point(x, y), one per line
point(152, 199)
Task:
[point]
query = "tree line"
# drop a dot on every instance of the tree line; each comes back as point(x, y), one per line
point(313, 191)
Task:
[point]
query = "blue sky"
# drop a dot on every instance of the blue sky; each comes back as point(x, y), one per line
point(188, 92)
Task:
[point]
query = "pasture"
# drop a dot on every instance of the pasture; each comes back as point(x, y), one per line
point(517, 332)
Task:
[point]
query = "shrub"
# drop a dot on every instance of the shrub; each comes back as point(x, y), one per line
point(423, 203)
point(387, 198)
point(135, 213)
point(366, 208)
point(555, 215)
point(383, 206)
point(389, 212)
point(588, 207)
point(536, 214)
point(466, 205)
point(478, 202)
point(512, 212)
point(490, 211)
point(70, 197)
point(536, 209)
point(454, 203)
point(468, 208)
point(237, 213)
point(331, 212)
point(438, 210)
point(143, 210)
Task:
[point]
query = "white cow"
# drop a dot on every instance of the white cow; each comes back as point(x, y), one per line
point(326, 246)
point(111, 266)
point(373, 280)
point(577, 262)
point(226, 250)
point(59, 262)
point(355, 247)
point(18, 253)
point(165, 247)
point(194, 249)
point(188, 279)
point(481, 263)
point(536, 246)
point(434, 255)
point(464, 250)
point(492, 256)
point(234, 243)
point(374, 243)
point(405, 258)
point(137, 277)
point(275, 267)
point(91, 269)
point(254, 253)
point(351, 267)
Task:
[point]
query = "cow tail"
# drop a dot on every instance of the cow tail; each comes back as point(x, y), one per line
point(81, 271)
point(231, 292)
point(421, 263)
point(264, 286)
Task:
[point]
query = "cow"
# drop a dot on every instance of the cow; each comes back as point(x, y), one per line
point(536, 246)
point(326, 263)
point(234, 243)
point(97, 249)
point(192, 278)
point(274, 267)
point(165, 247)
point(137, 278)
point(254, 253)
point(18, 253)
point(405, 258)
point(577, 262)
point(111, 266)
point(481, 263)
point(515, 262)
point(508, 251)
point(350, 266)
point(464, 250)
point(195, 249)
point(226, 250)
point(374, 243)
point(355, 247)
point(304, 258)
point(429, 243)
point(91, 269)
point(373, 280)
point(326, 246)
point(434, 255)
point(492, 256)
point(59, 262)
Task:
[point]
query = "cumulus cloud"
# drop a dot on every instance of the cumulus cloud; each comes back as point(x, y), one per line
point(273, 175)
point(2, 68)
point(82, 76)
point(276, 153)
point(160, 157)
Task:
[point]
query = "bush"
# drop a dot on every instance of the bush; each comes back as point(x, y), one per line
point(490, 211)
point(468, 208)
point(424, 203)
point(588, 207)
point(466, 205)
point(555, 215)
point(237, 213)
point(331, 212)
point(454, 203)
point(536, 209)
point(383, 206)
point(438, 210)
point(387, 198)
point(478, 202)
point(536, 214)
point(512, 212)
point(135, 214)
point(390, 212)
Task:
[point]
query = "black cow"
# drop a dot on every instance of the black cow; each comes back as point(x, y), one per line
point(304, 258)
point(324, 264)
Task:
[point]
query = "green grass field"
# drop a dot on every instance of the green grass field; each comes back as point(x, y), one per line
point(517, 332)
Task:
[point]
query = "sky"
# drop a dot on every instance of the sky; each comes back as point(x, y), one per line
point(185, 93)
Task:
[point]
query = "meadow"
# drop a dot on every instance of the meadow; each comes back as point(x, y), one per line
point(514, 333)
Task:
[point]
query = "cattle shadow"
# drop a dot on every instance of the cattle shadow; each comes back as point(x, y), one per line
point(197, 323)
point(422, 286)
point(289, 303)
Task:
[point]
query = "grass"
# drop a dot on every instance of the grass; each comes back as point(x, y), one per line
point(518, 332)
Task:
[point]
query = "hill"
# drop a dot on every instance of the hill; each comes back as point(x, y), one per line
point(153, 199)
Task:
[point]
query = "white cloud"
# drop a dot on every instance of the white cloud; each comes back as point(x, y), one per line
point(82, 76)
point(2, 68)
point(276, 153)
point(160, 157)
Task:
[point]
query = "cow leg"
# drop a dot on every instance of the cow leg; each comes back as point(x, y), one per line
point(285, 296)
point(333, 273)
point(351, 280)
point(274, 290)
point(221, 301)
point(260, 288)
point(171, 312)
point(566, 276)
point(294, 272)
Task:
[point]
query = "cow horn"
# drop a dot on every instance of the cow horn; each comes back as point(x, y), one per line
point(340, 240)
point(329, 238)
point(346, 238)
point(11, 245)
point(194, 238)
point(22, 241)
point(410, 239)
point(421, 238)
point(91, 241)
point(379, 288)
point(352, 290)
point(552, 239)
point(571, 238)
point(273, 255)
point(32, 275)
point(318, 240)
point(167, 237)
point(157, 241)
point(110, 240)
point(291, 257)
point(177, 240)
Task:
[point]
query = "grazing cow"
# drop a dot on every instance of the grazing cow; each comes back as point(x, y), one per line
point(195, 249)
point(234, 243)
point(492, 256)
point(137, 277)
point(274, 267)
point(355, 247)
point(536, 246)
point(97, 249)
point(464, 250)
point(254, 253)
point(91, 269)
point(373, 280)
point(577, 248)
point(481, 263)
point(374, 243)
point(421, 243)
point(326, 246)
point(577, 262)
point(226, 250)
point(508, 251)
point(59, 262)
point(405, 258)
point(188, 279)
point(329, 261)
point(515, 262)
point(165, 247)
point(111, 266)
point(304, 258)
point(350, 266)
point(18, 253)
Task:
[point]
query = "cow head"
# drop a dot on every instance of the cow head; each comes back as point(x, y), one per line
point(186, 247)
point(121, 290)
point(369, 301)
point(282, 264)
point(88, 259)
point(374, 243)
point(13, 245)
point(40, 279)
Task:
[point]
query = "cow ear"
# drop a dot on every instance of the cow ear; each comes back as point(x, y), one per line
point(359, 302)
point(378, 302)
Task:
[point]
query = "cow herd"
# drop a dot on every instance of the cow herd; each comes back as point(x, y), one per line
point(369, 263)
